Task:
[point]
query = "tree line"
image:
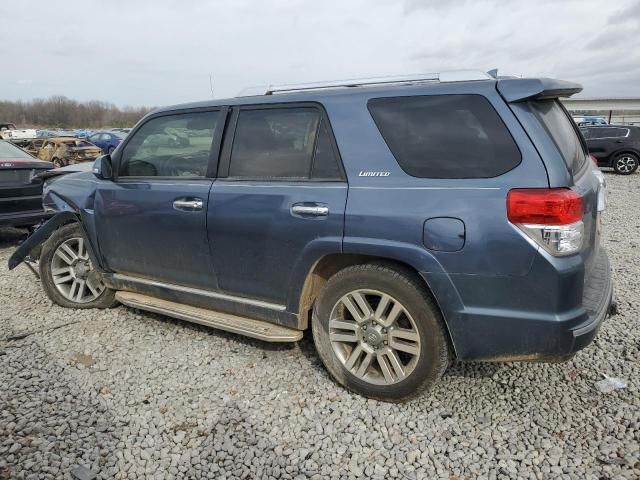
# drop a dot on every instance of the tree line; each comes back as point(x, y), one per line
point(62, 112)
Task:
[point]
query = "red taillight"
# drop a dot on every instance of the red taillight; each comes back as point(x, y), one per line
point(544, 206)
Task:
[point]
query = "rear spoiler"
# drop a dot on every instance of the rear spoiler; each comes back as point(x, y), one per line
point(521, 89)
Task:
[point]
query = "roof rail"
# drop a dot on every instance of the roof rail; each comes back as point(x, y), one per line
point(451, 76)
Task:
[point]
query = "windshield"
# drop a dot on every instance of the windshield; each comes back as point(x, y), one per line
point(11, 152)
point(563, 130)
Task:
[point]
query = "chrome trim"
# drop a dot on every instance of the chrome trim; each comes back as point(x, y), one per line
point(315, 210)
point(197, 291)
point(188, 204)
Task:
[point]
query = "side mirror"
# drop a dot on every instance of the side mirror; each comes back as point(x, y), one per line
point(103, 168)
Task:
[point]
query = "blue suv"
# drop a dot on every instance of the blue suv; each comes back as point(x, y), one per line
point(405, 221)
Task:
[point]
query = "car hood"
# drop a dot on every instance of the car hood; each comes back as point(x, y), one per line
point(75, 168)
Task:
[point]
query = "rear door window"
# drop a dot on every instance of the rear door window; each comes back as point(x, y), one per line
point(562, 128)
point(445, 136)
point(274, 143)
point(609, 132)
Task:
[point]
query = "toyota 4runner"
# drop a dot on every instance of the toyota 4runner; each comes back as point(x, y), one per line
point(406, 221)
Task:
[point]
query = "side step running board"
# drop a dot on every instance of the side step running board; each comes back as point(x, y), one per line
point(259, 329)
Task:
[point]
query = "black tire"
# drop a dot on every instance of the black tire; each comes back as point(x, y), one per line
point(70, 231)
point(625, 163)
point(403, 286)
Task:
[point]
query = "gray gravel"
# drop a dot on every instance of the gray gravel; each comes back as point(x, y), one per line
point(128, 394)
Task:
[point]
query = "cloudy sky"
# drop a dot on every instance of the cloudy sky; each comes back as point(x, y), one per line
point(158, 52)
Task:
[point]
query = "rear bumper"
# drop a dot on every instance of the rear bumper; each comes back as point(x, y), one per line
point(525, 319)
point(21, 205)
point(597, 301)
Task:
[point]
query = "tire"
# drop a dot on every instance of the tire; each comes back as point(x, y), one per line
point(625, 163)
point(80, 285)
point(57, 163)
point(420, 318)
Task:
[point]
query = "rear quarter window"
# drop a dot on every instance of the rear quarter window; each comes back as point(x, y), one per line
point(563, 130)
point(445, 136)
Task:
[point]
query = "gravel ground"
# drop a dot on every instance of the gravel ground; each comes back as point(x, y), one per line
point(130, 394)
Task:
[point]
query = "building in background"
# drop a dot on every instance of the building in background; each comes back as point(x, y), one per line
point(615, 110)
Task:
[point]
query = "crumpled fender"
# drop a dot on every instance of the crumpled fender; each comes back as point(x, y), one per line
point(40, 236)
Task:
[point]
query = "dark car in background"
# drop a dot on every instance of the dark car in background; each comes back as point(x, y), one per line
point(20, 187)
point(615, 146)
point(107, 141)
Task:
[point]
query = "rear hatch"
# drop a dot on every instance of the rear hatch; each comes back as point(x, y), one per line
point(17, 173)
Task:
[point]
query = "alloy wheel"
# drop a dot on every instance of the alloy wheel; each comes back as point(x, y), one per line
point(626, 163)
point(374, 336)
point(73, 273)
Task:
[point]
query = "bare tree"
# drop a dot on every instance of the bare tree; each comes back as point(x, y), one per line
point(61, 112)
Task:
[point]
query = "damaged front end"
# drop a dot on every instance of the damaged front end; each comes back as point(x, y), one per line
point(68, 195)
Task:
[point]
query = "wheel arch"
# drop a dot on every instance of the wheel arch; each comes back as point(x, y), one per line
point(622, 151)
point(328, 265)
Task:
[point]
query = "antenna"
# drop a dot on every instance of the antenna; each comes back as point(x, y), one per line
point(211, 85)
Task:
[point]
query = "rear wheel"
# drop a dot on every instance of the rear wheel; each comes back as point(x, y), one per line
point(68, 275)
point(625, 163)
point(379, 333)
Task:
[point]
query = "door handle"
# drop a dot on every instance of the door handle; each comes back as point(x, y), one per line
point(309, 210)
point(184, 204)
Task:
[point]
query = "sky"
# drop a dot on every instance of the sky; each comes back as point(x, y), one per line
point(162, 52)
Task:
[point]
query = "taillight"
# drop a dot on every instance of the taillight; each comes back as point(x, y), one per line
point(552, 217)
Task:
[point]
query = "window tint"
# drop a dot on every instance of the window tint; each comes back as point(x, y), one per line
point(445, 136)
point(608, 132)
point(325, 162)
point(586, 132)
point(562, 129)
point(274, 143)
point(171, 146)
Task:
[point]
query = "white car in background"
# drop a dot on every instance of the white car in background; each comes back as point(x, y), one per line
point(8, 131)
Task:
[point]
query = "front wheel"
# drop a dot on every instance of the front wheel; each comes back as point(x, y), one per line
point(68, 275)
point(625, 163)
point(379, 333)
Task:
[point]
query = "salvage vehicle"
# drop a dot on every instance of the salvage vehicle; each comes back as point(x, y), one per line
point(33, 146)
point(407, 221)
point(8, 131)
point(63, 151)
point(20, 187)
point(615, 146)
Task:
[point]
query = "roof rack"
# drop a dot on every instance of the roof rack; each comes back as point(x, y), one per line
point(451, 76)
